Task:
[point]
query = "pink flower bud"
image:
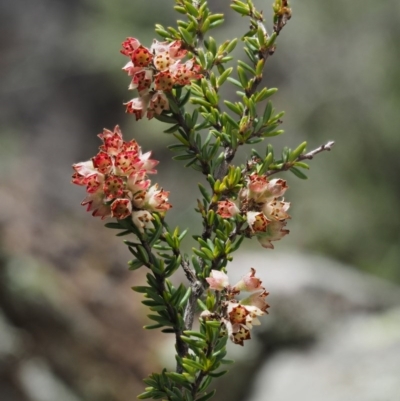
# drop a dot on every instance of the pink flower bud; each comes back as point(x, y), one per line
point(227, 209)
point(217, 280)
point(257, 183)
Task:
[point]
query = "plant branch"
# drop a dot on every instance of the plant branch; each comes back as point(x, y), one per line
point(307, 156)
point(310, 155)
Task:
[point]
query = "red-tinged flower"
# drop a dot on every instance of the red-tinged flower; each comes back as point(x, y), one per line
point(172, 49)
point(86, 174)
point(241, 335)
point(261, 190)
point(159, 47)
point(96, 204)
point(248, 282)
point(243, 315)
point(217, 280)
point(176, 49)
point(117, 175)
point(131, 146)
point(257, 222)
point(84, 169)
point(227, 209)
point(129, 45)
point(158, 103)
point(251, 318)
point(138, 199)
point(274, 232)
point(257, 183)
point(276, 209)
point(162, 61)
point(121, 208)
point(184, 73)
point(127, 162)
point(277, 187)
point(137, 106)
point(103, 211)
point(141, 57)
point(142, 219)
point(142, 81)
point(237, 313)
point(78, 179)
point(93, 183)
point(102, 162)
point(163, 81)
point(156, 199)
point(137, 182)
point(238, 317)
point(147, 163)
point(113, 187)
point(131, 69)
point(112, 141)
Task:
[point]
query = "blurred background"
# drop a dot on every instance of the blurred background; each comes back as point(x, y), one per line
point(71, 328)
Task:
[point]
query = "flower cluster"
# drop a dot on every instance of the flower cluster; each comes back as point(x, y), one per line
point(238, 317)
point(154, 73)
point(117, 184)
point(265, 210)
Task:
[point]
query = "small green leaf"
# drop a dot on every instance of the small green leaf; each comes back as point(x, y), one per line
point(186, 36)
point(115, 226)
point(135, 264)
point(297, 152)
point(165, 119)
point(207, 396)
point(235, 82)
point(183, 157)
point(302, 165)
point(298, 173)
point(242, 77)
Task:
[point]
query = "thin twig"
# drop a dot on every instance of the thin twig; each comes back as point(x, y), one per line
point(310, 155)
point(307, 156)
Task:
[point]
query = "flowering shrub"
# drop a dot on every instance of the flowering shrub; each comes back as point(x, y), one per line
point(240, 202)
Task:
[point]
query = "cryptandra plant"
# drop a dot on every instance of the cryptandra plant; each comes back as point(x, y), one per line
point(240, 201)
